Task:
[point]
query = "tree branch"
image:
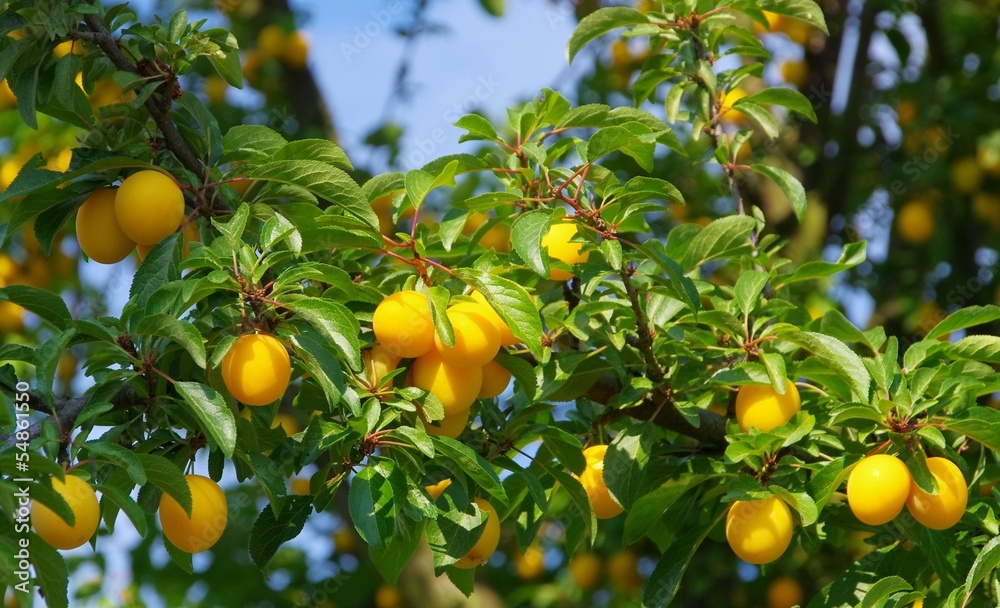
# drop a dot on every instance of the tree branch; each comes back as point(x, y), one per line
point(65, 412)
point(653, 368)
point(158, 105)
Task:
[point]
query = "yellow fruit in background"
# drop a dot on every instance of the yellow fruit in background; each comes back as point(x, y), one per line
point(761, 407)
point(216, 88)
point(477, 338)
point(592, 480)
point(906, 112)
point(450, 426)
point(623, 571)
point(97, 229)
point(558, 241)
point(66, 369)
point(346, 540)
point(8, 172)
point(59, 161)
point(388, 597)
point(69, 46)
point(986, 207)
point(455, 387)
point(257, 369)
point(402, 324)
point(9, 270)
point(437, 489)
point(253, 61)
point(919, 603)
point(241, 185)
point(966, 176)
point(726, 110)
point(759, 531)
point(300, 486)
point(382, 206)
point(531, 565)
point(296, 50)
point(287, 422)
point(488, 540)
point(149, 207)
point(496, 379)
point(784, 592)
point(945, 509)
point(11, 317)
point(86, 512)
point(877, 489)
point(915, 222)
point(378, 362)
point(585, 570)
point(209, 514)
point(507, 337)
point(497, 238)
point(795, 72)
point(271, 41)
point(7, 99)
point(798, 32)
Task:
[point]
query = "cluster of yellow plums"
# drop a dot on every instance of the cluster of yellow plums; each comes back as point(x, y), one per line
point(204, 527)
point(456, 375)
point(145, 209)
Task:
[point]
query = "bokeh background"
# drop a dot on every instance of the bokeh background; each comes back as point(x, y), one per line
point(906, 155)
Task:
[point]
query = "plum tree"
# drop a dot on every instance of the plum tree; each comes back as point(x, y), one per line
point(764, 408)
point(402, 323)
point(759, 531)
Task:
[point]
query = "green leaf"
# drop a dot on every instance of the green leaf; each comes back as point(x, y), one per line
point(987, 561)
point(761, 116)
point(47, 305)
point(438, 297)
point(121, 500)
point(53, 577)
point(526, 237)
point(511, 302)
point(420, 183)
point(321, 364)
point(371, 505)
point(493, 7)
point(455, 530)
point(640, 189)
point(979, 423)
point(625, 463)
point(321, 150)
point(120, 457)
point(251, 142)
point(211, 410)
point(665, 580)
point(391, 558)
point(165, 475)
point(647, 510)
point(722, 238)
point(685, 288)
point(478, 127)
point(599, 23)
point(271, 480)
point(836, 356)
point(323, 180)
point(472, 464)
point(159, 268)
point(801, 10)
point(335, 322)
point(748, 287)
point(970, 316)
point(785, 97)
point(977, 348)
point(852, 255)
point(791, 186)
point(181, 559)
point(270, 530)
point(801, 502)
point(183, 333)
point(883, 589)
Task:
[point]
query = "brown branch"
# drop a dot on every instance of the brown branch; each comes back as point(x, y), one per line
point(65, 412)
point(158, 104)
point(645, 344)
